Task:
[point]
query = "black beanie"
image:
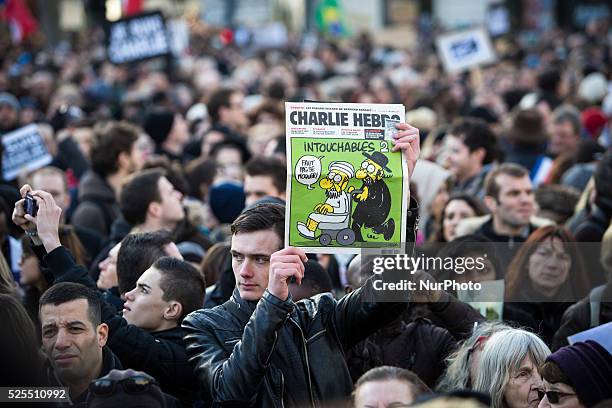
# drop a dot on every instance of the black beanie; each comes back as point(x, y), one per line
point(158, 125)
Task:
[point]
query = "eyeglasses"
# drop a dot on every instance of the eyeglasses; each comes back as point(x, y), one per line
point(132, 385)
point(553, 396)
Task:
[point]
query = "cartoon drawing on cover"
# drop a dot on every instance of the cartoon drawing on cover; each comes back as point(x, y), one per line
point(374, 200)
point(332, 217)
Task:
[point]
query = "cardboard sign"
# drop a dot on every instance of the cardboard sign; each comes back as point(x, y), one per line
point(138, 38)
point(24, 150)
point(346, 189)
point(463, 50)
point(600, 334)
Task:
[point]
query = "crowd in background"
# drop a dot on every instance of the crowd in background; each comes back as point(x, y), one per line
point(154, 162)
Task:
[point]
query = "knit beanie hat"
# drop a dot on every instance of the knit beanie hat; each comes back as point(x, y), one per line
point(226, 201)
point(589, 367)
point(158, 125)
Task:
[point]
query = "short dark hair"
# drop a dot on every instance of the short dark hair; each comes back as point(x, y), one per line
point(137, 253)
point(509, 169)
point(567, 113)
point(231, 143)
point(182, 282)
point(386, 373)
point(261, 218)
point(316, 275)
point(475, 134)
point(268, 166)
point(200, 171)
point(551, 372)
point(549, 80)
point(65, 292)
point(219, 99)
point(111, 139)
point(138, 193)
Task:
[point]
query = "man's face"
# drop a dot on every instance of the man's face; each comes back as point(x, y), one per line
point(8, 116)
point(53, 184)
point(251, 253)
point(171, 202)
point(383, 394)
point(84, 137)
point(141, 151)
point(180, 130)
point(522, 388)
point(258, 187)
point(235, 114)
point(108, 269)
point(563, 139)
point(71, 341)
point(460, 161)
point(516, 202)
point(229, 162)
point(144, 306)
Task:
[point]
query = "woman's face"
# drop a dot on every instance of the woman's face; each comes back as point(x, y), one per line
point(30, 272)
point(477, 274)
point(455, 211)
point(522, 388)
point(549, 265)
point(437, 204)
point(563, 394)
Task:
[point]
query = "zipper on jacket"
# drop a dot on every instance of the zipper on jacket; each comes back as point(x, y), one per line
point(282, 390)
point(312, 400)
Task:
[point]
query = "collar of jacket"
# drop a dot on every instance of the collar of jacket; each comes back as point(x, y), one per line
point(490, 233)
point(109, 362)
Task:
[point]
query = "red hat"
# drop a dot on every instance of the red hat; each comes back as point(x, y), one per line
point(593, 120)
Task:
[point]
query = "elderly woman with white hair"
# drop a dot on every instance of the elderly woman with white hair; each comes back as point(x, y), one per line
point(462, 364)
point(508, 369)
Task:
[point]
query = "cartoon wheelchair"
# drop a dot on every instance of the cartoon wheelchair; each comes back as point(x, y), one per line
point(338, 230)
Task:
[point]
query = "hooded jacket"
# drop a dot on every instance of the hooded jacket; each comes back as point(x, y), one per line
point(98, 206)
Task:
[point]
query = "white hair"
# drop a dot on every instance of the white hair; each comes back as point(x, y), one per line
point(501, 356)
point(457, 374)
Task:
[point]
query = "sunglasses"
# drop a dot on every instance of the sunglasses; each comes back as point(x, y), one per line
point(132, 385)
point(553, 396)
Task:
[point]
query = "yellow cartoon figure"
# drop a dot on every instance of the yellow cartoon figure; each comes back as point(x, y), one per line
point(332, 217)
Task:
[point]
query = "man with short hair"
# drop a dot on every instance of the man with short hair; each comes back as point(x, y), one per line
point(9, 112)
point(260, 348)
point(114, 156)
point(265, 177)
point(227, 114)
point(565, 131)
point(510, 198)
point(138, 252)
point(74, 338)
point(387, 386)
point(471, 150)
point(148, 336)
point(149, 202)
point(53, 180)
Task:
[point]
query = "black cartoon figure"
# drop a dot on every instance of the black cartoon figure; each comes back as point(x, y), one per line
point(374, 202)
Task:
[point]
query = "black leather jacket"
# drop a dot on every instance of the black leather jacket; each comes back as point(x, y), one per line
point(233, 347)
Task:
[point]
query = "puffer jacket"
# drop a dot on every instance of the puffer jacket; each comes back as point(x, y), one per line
point(276, 353)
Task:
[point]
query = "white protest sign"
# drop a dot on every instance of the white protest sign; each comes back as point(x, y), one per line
point(137, 38)
point(465, 49)
point(24, 150)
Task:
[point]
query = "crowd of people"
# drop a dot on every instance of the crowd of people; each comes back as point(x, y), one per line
point(154, 271)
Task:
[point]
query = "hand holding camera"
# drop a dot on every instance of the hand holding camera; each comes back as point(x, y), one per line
point(39, 216)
